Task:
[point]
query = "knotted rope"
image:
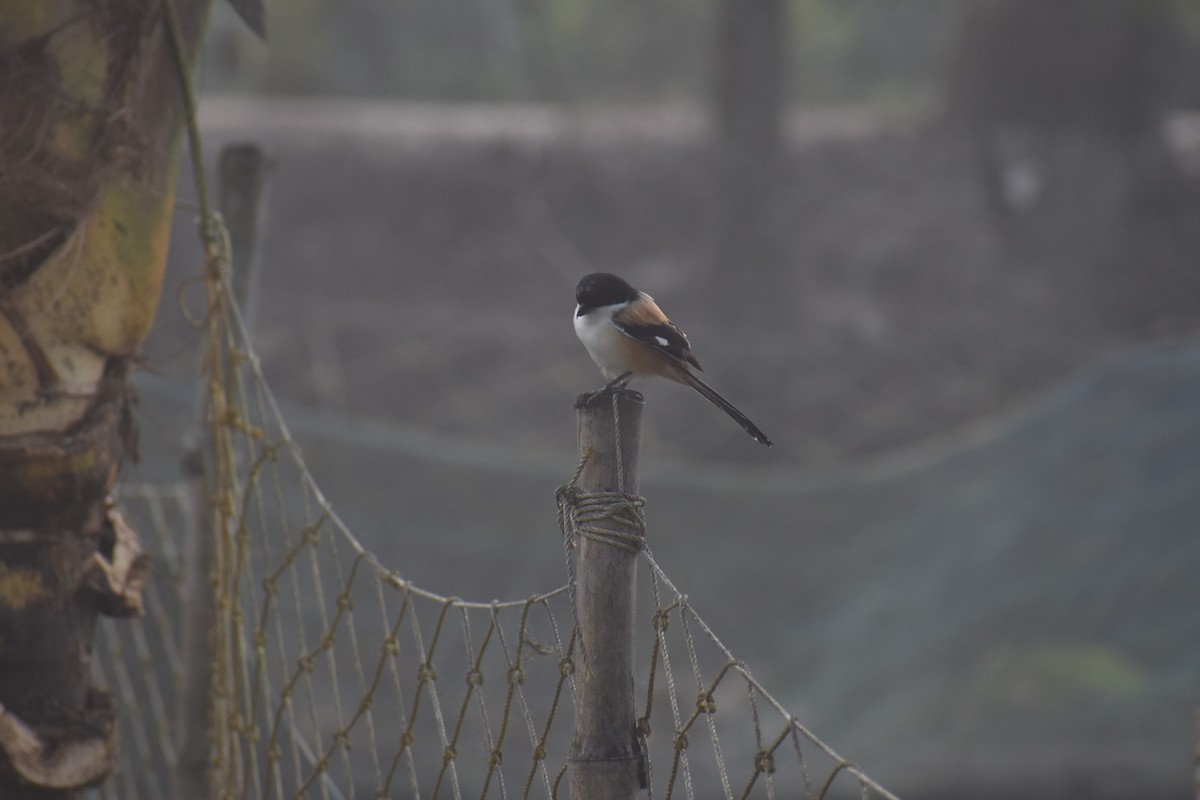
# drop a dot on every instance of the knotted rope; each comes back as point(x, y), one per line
point(583, 514)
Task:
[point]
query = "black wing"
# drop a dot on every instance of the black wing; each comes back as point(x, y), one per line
point(646, 323)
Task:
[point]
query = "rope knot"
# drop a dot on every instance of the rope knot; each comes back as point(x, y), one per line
point(584, 514)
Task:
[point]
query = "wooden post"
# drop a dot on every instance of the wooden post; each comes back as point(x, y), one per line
point(190, 779)
point(605, 763)
point(243, 170)
point(1196, 774)
point(244, 173)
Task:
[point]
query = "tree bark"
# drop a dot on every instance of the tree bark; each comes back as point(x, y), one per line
point(1034, 82)
point(748, 113)
point(90, 122)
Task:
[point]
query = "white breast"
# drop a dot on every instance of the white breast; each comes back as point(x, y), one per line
point(602, 339)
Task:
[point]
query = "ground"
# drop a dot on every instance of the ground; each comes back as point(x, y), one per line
point(969, 557)
point(440, 252)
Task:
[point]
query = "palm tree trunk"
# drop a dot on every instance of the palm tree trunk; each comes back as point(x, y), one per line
point(90, 122)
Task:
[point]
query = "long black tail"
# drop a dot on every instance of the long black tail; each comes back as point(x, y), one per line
point(726, 406)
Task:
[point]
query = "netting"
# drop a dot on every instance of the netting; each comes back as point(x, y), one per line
point(334, 675)
point(282, 658)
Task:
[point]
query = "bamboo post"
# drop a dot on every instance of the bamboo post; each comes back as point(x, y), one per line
point(243, 171)
point(604, 758)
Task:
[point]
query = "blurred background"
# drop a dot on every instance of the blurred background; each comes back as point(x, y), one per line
point(946, 253)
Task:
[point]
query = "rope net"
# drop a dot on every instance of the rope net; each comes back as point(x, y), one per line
point(324, 672)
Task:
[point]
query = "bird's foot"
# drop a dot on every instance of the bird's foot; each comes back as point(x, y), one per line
point(617, 384)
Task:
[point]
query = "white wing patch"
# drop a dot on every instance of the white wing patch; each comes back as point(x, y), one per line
point(661, 340)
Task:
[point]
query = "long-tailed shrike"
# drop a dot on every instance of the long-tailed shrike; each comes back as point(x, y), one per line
point(627, 334)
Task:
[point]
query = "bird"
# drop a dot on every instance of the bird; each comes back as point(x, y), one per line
point(628, 335)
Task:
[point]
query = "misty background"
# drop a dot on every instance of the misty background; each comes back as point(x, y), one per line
point(944, 253)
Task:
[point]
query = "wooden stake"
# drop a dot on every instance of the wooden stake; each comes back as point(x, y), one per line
point(605, 763)
point(244, 172)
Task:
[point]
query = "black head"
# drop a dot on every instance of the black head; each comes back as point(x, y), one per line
point(602, 289)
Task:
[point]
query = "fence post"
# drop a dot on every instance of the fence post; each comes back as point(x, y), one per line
point(244, 173)
point(604, 759)
point(1196, 774)
point(243, 170)
point(190, 779)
